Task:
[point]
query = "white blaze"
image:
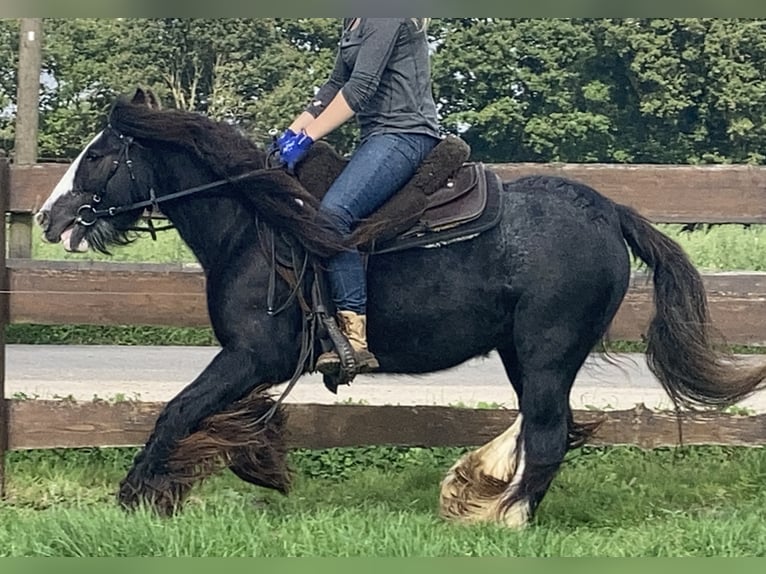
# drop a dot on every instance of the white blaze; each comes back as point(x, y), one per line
point(66, 183)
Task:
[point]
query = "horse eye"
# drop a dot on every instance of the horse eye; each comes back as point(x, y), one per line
point(92, 156)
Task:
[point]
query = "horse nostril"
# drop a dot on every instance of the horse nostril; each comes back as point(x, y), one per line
point(41, 218)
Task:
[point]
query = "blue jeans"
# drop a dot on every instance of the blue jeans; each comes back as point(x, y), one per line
point(379, 168)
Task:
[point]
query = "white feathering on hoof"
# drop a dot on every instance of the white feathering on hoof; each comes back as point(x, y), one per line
point(517, 514)
point(478, 483)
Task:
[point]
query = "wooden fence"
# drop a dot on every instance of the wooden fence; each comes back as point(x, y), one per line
point(47, 292)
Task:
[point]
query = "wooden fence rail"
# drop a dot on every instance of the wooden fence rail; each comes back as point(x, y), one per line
point(48, 292)
point(98, 293)
point(663, 193)
point(57, 424)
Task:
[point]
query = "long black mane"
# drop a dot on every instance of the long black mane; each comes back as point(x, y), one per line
point(220, 145)
point(278, 198)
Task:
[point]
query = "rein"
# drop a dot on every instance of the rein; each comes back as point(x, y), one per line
point(155, 200)
point(87, 214)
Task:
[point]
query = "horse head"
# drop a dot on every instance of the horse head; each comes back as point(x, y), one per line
point(87, 206)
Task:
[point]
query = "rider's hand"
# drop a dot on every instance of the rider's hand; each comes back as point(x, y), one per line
point(295, 149)
point(281, 140)
point(286, 135)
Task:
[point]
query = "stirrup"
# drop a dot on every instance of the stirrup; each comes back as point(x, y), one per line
point(328, 363)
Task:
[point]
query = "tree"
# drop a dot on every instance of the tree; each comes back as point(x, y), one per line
point(9, 52)
point(695, 88)
point(577, 90)
point(522, 90)
point(257, 73)
point(296, 67)
point(80, 81)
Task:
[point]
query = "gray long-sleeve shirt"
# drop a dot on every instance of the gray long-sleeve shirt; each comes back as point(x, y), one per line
point(382, 68)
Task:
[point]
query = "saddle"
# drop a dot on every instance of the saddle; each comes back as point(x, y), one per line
point(447, 199)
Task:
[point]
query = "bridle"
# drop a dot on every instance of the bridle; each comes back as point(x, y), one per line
point(88, 213)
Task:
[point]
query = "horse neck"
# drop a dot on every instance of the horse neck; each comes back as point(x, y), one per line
point(210, 222)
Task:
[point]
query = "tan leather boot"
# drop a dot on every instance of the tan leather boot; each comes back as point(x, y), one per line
point(354, 327)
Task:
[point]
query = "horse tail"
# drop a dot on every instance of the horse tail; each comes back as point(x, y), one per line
point(681, 352)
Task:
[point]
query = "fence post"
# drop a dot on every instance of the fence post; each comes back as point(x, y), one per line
point(19, 238)
point(5, 192)
point(19, 241)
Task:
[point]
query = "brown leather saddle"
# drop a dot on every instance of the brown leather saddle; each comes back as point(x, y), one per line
point(446, 200)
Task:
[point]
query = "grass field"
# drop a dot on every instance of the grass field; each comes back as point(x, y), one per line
point(381, 502)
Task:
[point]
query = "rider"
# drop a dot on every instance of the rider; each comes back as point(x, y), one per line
point(382, 76)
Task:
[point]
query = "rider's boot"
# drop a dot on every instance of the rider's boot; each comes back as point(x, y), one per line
point(354, 327)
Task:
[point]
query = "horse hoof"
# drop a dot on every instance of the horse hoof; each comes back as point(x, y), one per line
point(157, 493)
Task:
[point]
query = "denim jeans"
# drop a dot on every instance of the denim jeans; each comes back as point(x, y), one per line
point(379, 168)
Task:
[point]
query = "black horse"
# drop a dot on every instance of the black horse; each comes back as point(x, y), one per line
point(541, 288)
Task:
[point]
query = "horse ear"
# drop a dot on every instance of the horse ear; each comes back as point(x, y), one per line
point(147, 98)
point(139, 97)
point(153, 100)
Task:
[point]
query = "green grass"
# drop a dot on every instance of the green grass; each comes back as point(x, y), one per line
point(23, 334)
point(168, 248)
point(381, 502)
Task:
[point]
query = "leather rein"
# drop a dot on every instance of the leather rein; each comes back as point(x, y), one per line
point(88, 214)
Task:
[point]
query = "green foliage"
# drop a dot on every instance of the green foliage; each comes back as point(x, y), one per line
point(628, 90)
point(661, 90)
point(343, 463)
point(516, 87)
point(700, 501)
point(9, 48)
point(258, 73)
point(23, 334)
point(79, 82)
point(695, 88)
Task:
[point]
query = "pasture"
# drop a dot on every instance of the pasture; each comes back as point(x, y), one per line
point(718, 248)
point(704, 501)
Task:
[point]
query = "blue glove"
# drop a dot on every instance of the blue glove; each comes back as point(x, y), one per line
point(286, 135)
point(295, 149)
point(278, 142)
